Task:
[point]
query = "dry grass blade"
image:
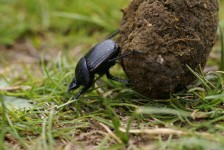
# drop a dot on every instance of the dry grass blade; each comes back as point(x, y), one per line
point(14, 88)
point(111, 133)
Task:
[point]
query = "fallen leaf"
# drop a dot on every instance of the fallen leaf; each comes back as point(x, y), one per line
point(15, 103)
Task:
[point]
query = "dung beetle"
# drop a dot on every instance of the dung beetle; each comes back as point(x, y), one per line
point(98, 60)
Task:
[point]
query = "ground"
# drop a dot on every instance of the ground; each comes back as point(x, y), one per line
point(41, 43)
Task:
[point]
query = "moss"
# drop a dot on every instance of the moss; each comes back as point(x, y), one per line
point(170, 34)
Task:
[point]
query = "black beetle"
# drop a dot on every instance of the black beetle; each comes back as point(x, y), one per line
point(98, 60)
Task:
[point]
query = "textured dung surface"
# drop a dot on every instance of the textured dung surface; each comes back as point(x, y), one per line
point(170, 34)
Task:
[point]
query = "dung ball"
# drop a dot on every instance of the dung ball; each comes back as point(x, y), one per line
point(167, 35)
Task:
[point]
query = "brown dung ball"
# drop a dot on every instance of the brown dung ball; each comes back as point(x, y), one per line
point(169, 35)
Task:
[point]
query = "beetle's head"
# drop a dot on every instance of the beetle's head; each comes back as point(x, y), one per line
point(73, 85)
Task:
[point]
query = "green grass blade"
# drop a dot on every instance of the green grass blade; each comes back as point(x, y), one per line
point(44, 135)
point(222, 49)
point(16, 134)
point(155, 110)
point(95, 20)
point(203, 81)
point(3, 123)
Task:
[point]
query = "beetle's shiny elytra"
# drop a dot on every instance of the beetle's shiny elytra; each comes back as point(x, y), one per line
point(101, 53)
point(98, 60)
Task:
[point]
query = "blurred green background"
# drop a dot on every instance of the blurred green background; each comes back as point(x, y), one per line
point(71, 19)
point(49, 25)
point(61, 23)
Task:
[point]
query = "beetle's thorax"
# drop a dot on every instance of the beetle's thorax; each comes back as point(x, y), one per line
point(83, 76)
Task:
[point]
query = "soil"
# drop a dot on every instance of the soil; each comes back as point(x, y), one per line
point(168, 34)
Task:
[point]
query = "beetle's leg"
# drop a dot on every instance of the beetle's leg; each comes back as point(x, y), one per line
point(137, 52)
point(83, 90)
point(125, 55)
point(109, 76)
point(100, 75)
point(119, 57)
point(113, 34)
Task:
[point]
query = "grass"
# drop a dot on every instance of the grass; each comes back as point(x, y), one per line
point(110, 115)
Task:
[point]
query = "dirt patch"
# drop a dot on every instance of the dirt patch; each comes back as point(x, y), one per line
point(170, 34)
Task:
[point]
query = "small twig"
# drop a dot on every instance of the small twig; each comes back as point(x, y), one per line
point(199, 115)
point(157, 131)
point(166, 131)
point(111, 133)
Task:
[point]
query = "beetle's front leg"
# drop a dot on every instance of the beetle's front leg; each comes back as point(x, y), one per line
point(109, 76)
point(83, 90)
